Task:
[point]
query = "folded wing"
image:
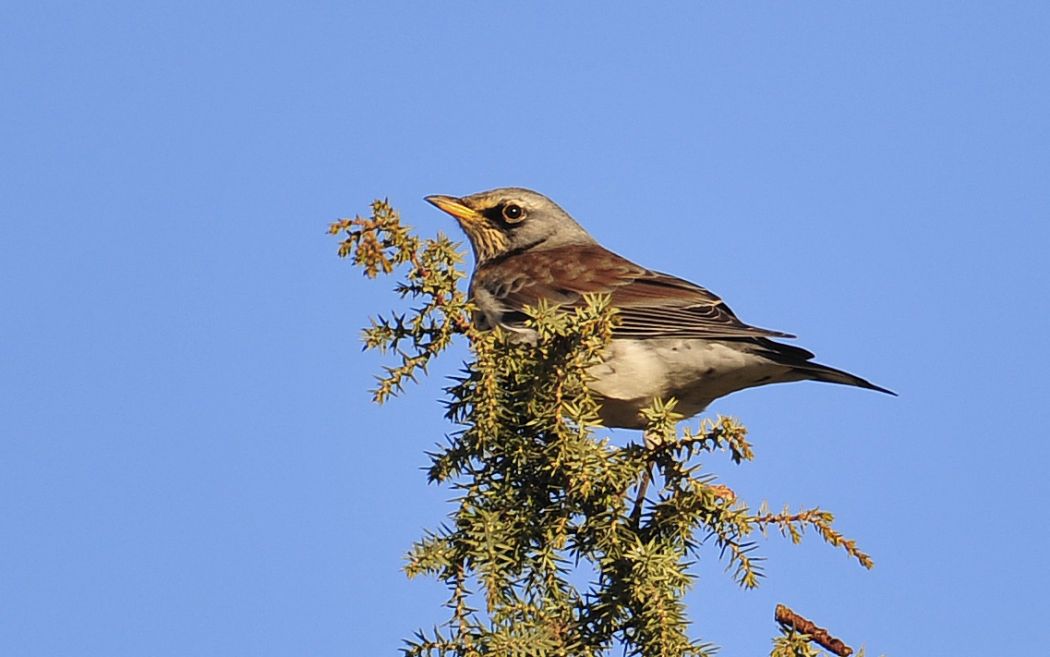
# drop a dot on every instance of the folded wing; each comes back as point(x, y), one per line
point(650, 304)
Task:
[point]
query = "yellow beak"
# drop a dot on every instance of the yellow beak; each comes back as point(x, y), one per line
point(455, 207)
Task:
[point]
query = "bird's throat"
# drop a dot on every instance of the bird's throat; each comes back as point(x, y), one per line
point(488, 242)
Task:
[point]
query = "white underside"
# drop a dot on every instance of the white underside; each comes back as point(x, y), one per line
point(695, 372)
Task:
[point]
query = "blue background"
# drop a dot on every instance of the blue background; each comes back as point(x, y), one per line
point(190, 461)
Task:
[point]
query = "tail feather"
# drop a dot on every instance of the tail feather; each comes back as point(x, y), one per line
point(799, 360)
point(818, 372)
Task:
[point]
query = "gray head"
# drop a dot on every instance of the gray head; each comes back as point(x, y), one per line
point(511, 219)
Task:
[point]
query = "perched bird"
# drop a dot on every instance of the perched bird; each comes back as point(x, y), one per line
point(674, 339)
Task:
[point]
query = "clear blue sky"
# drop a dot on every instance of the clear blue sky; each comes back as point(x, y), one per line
point(189, 462)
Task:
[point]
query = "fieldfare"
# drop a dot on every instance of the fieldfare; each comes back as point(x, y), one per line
point(674, 338)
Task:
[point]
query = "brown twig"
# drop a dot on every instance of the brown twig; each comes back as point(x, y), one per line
point(819, 635)
point(459, 323)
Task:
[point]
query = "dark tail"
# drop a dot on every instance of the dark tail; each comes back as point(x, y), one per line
point(818, 372)
point(799, 360)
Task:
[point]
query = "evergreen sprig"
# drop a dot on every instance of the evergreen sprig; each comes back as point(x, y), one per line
point(552, 549)
point(381, 244)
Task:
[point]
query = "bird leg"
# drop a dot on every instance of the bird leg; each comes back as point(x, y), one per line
point(639, 500)
point(651, 441)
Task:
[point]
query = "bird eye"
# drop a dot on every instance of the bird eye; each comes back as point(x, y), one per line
point(513, 213)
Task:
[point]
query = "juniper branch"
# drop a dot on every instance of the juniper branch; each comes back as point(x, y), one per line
point(542, 498)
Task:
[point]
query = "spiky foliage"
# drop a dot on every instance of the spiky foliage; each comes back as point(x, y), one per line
point(548, 551)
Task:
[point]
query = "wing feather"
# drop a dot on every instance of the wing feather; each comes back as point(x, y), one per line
point(650, 304)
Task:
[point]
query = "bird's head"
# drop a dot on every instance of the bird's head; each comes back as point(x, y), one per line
point(511, 220)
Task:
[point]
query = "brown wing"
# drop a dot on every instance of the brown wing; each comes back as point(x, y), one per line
point(650, 304)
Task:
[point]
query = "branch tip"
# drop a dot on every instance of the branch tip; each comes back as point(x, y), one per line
point(791, 620)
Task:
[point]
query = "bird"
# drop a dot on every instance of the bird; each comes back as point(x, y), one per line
point(674, 339)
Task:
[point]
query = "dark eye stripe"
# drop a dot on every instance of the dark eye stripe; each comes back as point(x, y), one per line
point(507, 214)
